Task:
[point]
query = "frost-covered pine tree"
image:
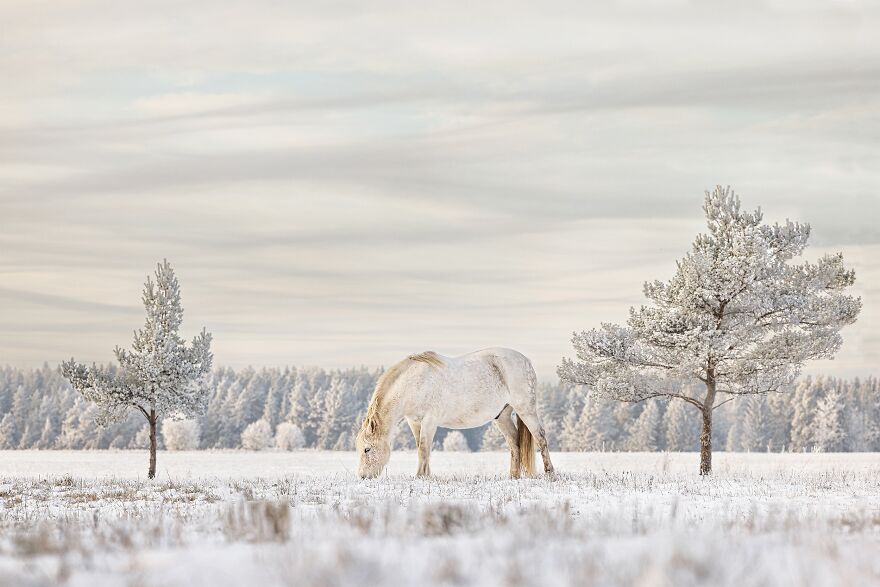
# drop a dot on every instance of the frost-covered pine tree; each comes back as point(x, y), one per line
point(679, 431)
point(597, 425)
point(161, 376)
point(870, 394)
point(803, 413)
point(8, 432)
point(779, 415)
point(734, 435)
point(828, 432)
point(571, 438)
point(645, 432)
point(753, 432)
point(738, 316)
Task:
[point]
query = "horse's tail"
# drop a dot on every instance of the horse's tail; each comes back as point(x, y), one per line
point(526, 447)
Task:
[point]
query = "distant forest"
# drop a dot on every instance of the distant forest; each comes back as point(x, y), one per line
point(40, 410)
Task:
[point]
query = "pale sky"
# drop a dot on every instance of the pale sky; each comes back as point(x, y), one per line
point(344, 183)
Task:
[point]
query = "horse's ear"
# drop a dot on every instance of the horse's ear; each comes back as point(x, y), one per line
point(371, 425)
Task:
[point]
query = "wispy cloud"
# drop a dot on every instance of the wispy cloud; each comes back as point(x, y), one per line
point(345, 184)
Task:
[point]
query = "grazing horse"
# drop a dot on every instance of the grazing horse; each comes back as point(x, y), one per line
point(429, 390)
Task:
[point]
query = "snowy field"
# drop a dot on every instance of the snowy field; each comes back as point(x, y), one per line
point(302, 519)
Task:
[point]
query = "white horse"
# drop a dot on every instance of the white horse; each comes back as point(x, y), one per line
point(430, 390)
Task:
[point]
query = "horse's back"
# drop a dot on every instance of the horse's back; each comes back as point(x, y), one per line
point(498, 353)
point(518, 374)
point(491, 354)
point(514, 364)
point(481, 383)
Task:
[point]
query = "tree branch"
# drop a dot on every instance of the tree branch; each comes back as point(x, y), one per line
point(142, 411)
point(660, 394)
point(716, 406)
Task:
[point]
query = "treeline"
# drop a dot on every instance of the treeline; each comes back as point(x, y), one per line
point(40, 410)
point(823, 414)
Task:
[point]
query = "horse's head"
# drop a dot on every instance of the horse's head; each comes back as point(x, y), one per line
point(374, 450)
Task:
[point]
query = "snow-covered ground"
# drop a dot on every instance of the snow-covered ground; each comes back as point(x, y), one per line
point(239, 518)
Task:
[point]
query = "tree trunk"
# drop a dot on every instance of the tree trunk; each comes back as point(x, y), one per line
point(706, 433)
point(152, 472)
point(706, 443)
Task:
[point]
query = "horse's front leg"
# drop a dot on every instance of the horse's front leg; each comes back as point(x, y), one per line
point(415, 426)
point(426, 440)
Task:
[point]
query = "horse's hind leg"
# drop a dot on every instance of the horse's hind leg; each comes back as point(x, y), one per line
point(504, 421)
point(522, 383)
point(533, 423)
point(426, 439)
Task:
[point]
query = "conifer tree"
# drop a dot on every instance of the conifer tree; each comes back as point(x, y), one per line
point(754, 437)
point(160, 376)
point(596, 425)
point(679, 430)
point(645, 432)
point(803, 411)
point(829, 432)
point(738, 316)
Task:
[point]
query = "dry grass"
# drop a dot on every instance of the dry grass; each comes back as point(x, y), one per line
point(663, 527)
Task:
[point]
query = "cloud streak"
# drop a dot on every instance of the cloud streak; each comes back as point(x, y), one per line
point(347, 185)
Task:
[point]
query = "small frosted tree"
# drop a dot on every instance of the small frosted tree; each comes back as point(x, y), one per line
point(571, 438)
point(779, 417)
point(753, 430)
point(257, 436)
point(181, 434)
point(288, 436)
point(596, 425)
point(161, 376)
point(679, 433)
point(645, 432)
point(455, 442)
point(828, 431)
point(738, 316)
point(8, 436)
point(804, 411)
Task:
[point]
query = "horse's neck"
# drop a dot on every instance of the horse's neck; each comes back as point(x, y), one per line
point(388, 406)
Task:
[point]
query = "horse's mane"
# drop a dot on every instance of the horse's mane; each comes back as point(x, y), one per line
point(429, 357)
point(374, 418)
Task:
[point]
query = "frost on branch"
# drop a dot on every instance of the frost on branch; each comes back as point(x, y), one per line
point(739, 315)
